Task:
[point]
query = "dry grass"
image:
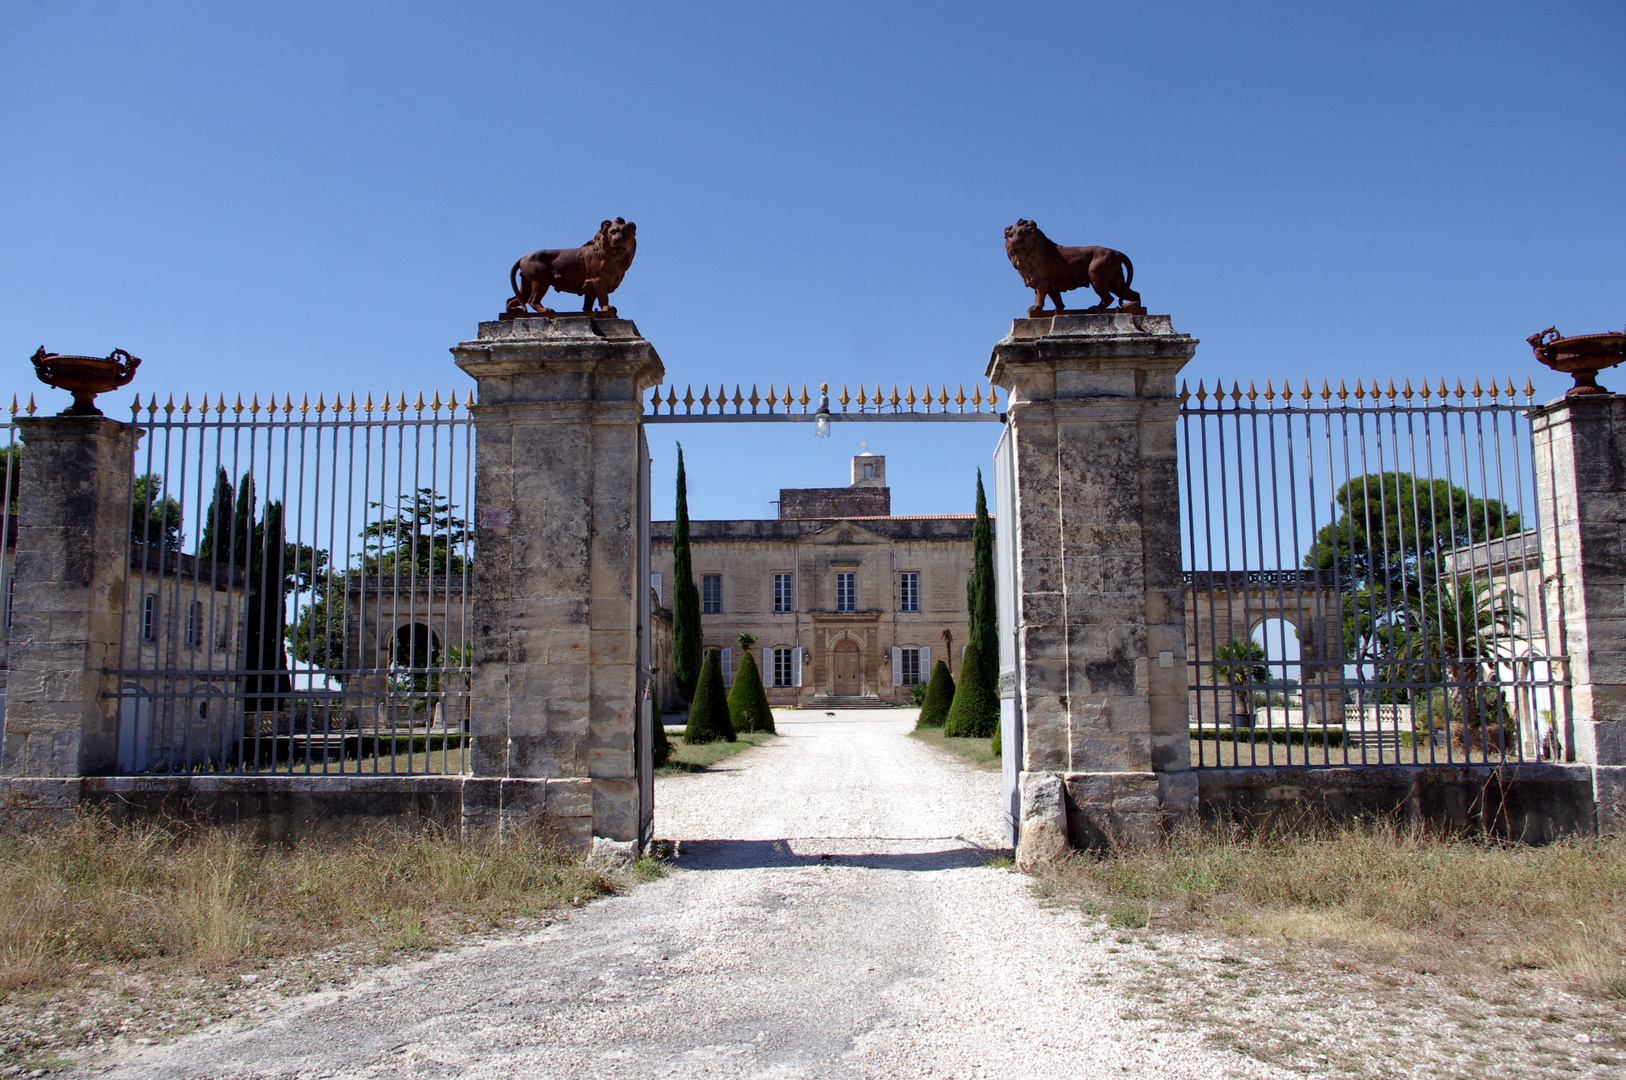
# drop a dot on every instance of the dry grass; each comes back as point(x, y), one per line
point(169, 899)
point(1454, 907)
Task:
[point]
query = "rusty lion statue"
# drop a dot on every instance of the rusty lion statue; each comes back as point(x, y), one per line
point(593, 270)
point(1050, 270)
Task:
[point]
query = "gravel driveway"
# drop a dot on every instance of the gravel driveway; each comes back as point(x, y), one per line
point(830, 916)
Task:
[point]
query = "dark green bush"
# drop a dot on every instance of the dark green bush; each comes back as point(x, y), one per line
point(660, 746)
point(938, 695)
point(748, 701)
point(974, 713)
point(708, 713)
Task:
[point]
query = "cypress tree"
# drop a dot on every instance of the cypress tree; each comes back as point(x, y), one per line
point(981, 601)
point(708, 712)
point(660, 746)
point(974, 713)
point(748, 701)
point(686, 640)
point(939, 695)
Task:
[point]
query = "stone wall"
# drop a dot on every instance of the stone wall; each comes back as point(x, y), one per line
point(796, 503)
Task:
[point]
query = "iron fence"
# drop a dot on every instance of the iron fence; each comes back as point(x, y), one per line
point(1364, 577)
point(10, 447)
point(296, 599)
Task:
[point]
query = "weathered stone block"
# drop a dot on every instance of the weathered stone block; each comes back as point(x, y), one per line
point(1043, 832)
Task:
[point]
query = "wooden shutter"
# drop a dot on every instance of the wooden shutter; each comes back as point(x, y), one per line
point(796, 666)
point(897, 666)
point(925, 663)
point(768, 675)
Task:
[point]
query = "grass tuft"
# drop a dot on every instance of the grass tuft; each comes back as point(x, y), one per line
point(1471, 907)
point(978, 752)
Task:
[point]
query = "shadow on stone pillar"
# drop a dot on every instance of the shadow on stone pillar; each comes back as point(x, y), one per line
point(556, 685)
point(1092, 415)
point(73, 551)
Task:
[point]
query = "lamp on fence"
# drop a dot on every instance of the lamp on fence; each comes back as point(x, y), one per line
point(821, 417)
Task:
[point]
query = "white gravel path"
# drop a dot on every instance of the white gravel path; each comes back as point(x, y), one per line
point(831, 917)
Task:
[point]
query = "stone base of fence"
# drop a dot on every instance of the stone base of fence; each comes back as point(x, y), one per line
point(282, 808)
point(1529, 803)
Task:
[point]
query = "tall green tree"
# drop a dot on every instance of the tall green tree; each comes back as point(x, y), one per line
point(1386, 552)
point(984, 611)
point(1462, 629)
point(686, 640)
point(272, 569)
point(155, 518)
point(660, 746)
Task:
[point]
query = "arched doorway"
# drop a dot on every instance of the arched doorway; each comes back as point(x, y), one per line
point(845, 669)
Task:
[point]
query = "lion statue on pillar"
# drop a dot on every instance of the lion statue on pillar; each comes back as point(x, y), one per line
point(1050, 270)
point(593, 271)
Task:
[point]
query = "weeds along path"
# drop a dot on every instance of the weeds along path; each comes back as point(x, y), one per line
point(830, 914)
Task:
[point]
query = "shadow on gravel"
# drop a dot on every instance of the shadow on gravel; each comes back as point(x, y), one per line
point(830, 851)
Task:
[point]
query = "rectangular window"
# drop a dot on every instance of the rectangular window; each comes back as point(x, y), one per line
point(846, 592)
point(149, 618)
point(655, 585)
point(784, 592)
point(909, 592)
point(711, 594)
point(909, 666)
point(194, 624)
point(782, 663)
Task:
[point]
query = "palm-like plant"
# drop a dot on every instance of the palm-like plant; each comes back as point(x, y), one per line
point(1461, 627)
point(1239, 665)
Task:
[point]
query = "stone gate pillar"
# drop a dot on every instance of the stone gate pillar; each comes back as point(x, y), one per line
point(73, 551)
point(1580, 467)
point(1100, 622)
point(555, 694)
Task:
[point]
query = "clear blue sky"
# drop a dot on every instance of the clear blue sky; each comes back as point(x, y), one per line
point(296, 197)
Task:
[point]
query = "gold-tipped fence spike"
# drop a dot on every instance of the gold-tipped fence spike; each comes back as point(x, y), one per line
point(1202, 395)
point(739, 398)
point(705, 398)
point(1343, 395)
point(863, 397)
point(169, 406)
point(1270, 394)
point(1494, 390)
point(755, 398)
point(1460, 394)
point(1236, 392)
point(909, 398)
point(1185, 394)
point(771, 398)
point(1478, 393)
point(352, 405)
point(1510, 389)
point(1360, 392)
point(1326, 391)
point(844, 398)
point(186, 405)
point(220, 404)
point(688, 397)
point(1529, 390)
point(1305, 393)
point(1253, 395)
point(31, 406)
point(15, 406)
point(895, 398)
point(419, 403)
point(367, 406)
point(435, 404)
point(976, 398)
point(1391, 391)
point(451, 402)
point(321, 407)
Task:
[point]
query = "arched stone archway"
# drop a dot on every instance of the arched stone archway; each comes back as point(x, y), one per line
point(1225, 605)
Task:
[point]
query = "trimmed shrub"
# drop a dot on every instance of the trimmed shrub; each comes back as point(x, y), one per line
point(974, 713)
point(660, 746)
point(917, 694)
point(708, 713)
point(938, 697)
point(748, 701)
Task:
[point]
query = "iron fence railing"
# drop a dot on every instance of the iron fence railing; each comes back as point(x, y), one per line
point(1364, 576)
point(296, 599)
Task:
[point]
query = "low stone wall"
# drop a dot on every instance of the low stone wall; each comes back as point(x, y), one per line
point(284, 808)
point(1533, 803)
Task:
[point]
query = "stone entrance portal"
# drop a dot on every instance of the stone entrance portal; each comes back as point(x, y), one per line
point(847, 677)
